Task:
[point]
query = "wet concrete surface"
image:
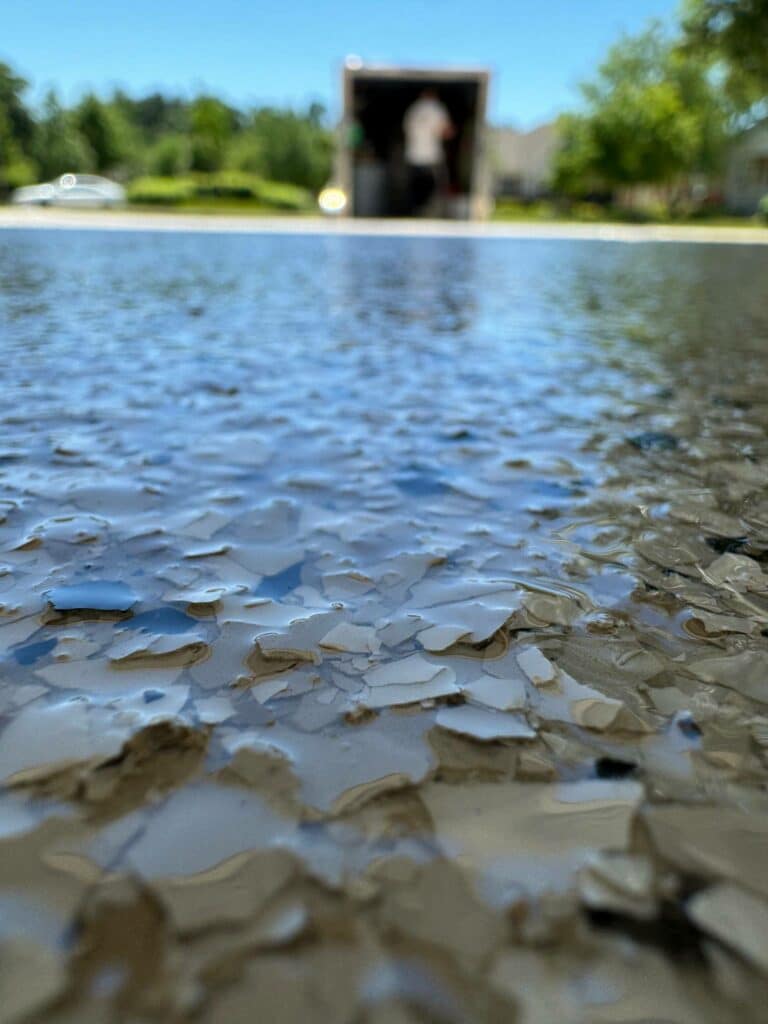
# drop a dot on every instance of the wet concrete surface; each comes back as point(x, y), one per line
point(383, 629)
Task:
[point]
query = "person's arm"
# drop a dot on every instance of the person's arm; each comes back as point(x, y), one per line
point(448, 130)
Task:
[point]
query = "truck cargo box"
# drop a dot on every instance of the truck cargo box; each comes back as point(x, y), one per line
point(371, 166)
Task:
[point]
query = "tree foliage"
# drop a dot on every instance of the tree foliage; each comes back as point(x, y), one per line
point(170, 156)
point(155, 115)
point(651, 116)
point(212, 125)
point(19, 121)
point(16, 131)
point(284, 146)
point(59, 146)
point(103, 130)
point(735, 33)
point(159, 135)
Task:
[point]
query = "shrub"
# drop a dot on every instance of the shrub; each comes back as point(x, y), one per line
point(227, 185)
point(276, 195)
point(17, 172)
point(161, 190)
point(591, 212)
point(522, 209)
point(762, 208)
point(282, 196)
point(650, 212)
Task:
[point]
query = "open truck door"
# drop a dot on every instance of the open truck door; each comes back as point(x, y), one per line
point(371, 166)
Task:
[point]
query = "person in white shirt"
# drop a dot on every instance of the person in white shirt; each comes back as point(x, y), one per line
point(426, 126)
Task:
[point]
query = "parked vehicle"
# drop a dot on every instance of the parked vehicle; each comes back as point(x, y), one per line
point(71, 190)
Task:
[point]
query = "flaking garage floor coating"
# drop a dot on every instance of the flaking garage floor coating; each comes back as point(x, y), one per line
point(384, 628)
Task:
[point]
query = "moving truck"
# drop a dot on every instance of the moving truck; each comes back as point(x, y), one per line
point(370, 162)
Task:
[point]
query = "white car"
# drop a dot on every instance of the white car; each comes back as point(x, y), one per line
point(71, 190)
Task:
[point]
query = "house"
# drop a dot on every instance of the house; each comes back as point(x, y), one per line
point(522, 162)
point(746, 175)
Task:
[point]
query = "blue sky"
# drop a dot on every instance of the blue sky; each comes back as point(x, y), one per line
point(290, 52)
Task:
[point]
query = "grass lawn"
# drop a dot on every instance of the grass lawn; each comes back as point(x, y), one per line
point(237, 207)
point(590, 213)
point(506, 210)
point(509, 211)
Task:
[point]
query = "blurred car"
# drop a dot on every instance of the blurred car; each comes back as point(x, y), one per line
point(71, 190)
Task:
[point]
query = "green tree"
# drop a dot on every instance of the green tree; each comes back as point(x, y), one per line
point(16, 132)
point(105, 132)
point(578, 157)
point(153, 116)
point(16, 168)
point(651, 116)
point(18, 120)
point(246, 153)
point(289, 147)
point(734, 32)
point(170, 156)
point(160, 135)
point(59, 145)
point(212, 123)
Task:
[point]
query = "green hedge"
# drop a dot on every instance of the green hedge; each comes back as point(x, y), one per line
point(227, 185)
point(762, 208)
point(283, 196)
point(161, 190)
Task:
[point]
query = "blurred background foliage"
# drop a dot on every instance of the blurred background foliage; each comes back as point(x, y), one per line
point(734, 35)
point(653, 114)
point(664, 104)
point(165, 147)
